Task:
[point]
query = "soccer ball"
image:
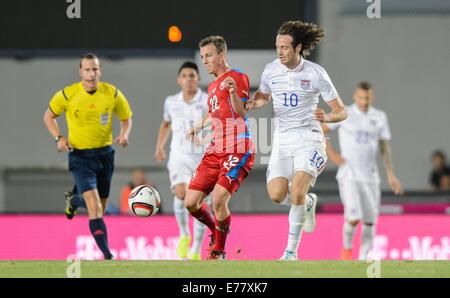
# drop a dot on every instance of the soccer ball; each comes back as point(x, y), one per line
point(144, 200)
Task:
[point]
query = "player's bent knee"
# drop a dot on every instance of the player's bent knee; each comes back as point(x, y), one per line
point(180, 192)
point(191, 205)
point(277, 195)
point(298, 196)
point(277, 189)
point(219, 203)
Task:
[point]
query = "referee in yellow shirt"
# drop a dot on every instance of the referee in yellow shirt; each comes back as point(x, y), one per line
point(89, 106)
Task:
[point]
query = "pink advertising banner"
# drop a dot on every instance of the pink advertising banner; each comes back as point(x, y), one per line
point(257, 237)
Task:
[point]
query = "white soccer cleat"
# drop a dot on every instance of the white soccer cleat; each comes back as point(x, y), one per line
point(310, 219)
point(289, 256)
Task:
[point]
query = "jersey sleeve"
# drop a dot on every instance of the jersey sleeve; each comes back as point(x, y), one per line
point(122, 107)
point(333, 126)
point(243, 87)
point(58, 103)
point(385, 131)
point(166, 113)
point(326, 87)
point(264, 85)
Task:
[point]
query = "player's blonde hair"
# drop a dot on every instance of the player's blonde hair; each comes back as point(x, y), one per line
point(307, 34)
point(217, 40)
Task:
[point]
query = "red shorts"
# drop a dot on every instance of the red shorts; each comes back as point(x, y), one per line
point(226, 169)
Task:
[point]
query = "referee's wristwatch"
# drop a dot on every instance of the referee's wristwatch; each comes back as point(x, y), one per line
point(57, 138)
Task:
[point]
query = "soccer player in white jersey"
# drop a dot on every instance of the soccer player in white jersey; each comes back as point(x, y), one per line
point(181, 111)
point(361, 135)
point(298, 149)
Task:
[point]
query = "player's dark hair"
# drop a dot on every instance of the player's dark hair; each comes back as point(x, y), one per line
point(89, 56)
point(438, 153)
point(366, 86)
point(218, 41)
point(188, 64)
point(306, 34)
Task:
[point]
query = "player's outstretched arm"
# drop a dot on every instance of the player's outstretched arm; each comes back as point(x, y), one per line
point(258, 100)
point(394, 183)
point(52, 126)
point(163, 136)
point(332, 154)
point(337, 114)
point(236, 101)
point(204, 123)
point(125, 129)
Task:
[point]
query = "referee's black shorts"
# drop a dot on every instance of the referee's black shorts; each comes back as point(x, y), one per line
point(92, 168)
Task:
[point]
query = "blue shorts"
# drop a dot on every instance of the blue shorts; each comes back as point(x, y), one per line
point(91, 169)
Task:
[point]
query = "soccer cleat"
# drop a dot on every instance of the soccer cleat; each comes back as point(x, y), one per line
point(183, 246)
point(216, 255)
point(289, 256)
point(70, 210)
point(346, 254)
point(310, 219)
point(196, 256)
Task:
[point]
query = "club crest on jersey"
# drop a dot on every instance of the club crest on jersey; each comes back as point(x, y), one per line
point(222, 85)
point(305, 84)
point(373, 122)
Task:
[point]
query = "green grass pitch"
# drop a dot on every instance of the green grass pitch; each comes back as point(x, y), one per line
point(235, 269)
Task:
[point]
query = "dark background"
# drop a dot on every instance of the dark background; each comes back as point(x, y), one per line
point(119, 24)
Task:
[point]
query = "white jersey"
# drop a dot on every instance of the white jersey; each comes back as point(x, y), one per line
point(359, 137)
point(183, 116)
point(295, 93)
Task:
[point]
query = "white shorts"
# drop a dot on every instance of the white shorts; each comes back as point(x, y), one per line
point(301, 151)
point(361, 200)
point(181, 167)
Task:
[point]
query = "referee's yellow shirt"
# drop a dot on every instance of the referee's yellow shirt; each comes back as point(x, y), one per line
point(89, 116)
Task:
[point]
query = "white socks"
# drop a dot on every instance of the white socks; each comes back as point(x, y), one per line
point(297, 215)
point(182, 216)
point(287, 200)
point(367, 234)
point(348, 232)
point(199, 232)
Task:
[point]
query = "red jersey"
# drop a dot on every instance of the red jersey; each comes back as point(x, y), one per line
point(228, 127)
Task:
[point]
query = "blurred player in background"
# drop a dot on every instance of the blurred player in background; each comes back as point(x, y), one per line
point(138, 177)
point(181, 111)
point(440, 175)
point(230, 156)
point(298, 150)
point(89, 106)
point(365, 131)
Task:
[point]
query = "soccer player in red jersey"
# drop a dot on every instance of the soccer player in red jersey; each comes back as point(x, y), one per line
point(230, 156)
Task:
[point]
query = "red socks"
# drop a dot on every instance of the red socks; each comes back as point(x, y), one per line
point(222, 229)
point(204, 216)
point(218, 228)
